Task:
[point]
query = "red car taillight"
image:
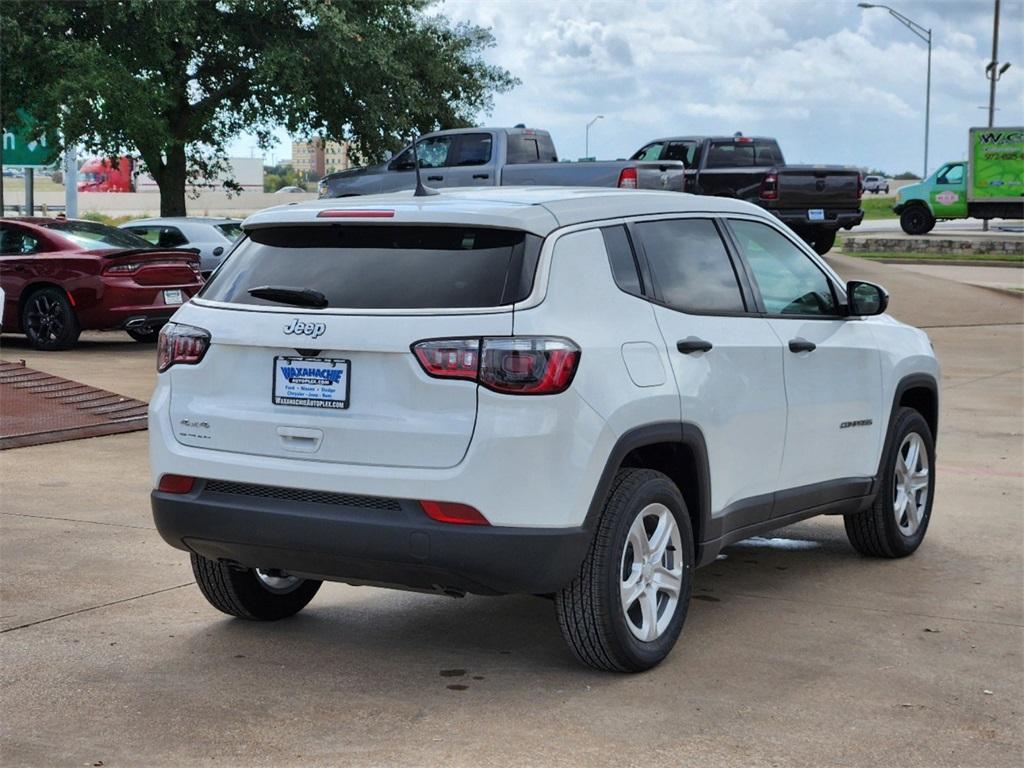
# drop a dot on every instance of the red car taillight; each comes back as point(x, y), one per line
point(123, 269)
point(770, 187)
point(515, 365)
point(627, 178)
point(180, 345)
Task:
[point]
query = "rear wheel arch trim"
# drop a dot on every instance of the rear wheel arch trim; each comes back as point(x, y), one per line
point(685, 434)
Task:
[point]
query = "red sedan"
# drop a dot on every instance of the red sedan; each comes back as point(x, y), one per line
point(63, 276)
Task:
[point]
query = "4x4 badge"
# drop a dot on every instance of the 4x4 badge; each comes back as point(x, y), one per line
point(302, 328)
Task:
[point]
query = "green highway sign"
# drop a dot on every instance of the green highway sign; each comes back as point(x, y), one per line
point(25, 146)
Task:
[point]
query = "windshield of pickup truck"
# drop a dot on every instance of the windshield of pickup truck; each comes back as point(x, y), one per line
point(382, 267)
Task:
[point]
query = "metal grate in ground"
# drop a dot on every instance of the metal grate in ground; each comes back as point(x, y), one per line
point(37, 408)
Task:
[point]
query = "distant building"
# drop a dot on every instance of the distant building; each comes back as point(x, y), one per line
point(319, 157)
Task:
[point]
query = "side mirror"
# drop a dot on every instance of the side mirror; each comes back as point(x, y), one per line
point(865, 299)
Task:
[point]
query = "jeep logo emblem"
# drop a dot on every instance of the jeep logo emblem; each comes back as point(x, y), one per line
point(302, 328)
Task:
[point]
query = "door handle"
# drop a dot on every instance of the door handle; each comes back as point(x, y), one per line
point(692, 344)
point(481, 175)
point(435, 178)
point(801, 345)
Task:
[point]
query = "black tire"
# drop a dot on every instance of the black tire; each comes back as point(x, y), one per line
point(876, 532)
point(590, 611)
point(49, 321)
point(145, 335)
point(823, 241)
point(916, 220)
point(239, 592)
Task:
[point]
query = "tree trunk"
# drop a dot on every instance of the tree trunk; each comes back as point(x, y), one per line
point(172, 182)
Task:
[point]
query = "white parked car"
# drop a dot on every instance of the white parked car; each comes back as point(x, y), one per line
point(581, 393)
point(212, 236)
point(876, 184)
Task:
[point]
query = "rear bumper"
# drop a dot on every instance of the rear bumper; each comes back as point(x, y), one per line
point(799, 219)
point(360, 543)
point(117, 305)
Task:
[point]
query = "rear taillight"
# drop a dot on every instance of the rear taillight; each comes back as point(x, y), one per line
point(180, 345)
point(860, 186)
point(449, 358)
point(175, 483)
point(515, 365)
point(123, 269)
point(450, 512)
point(627, 178)
point(770, 187)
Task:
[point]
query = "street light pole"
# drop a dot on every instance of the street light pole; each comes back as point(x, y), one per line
point(993, 72)
point(587, 144)
point(926, 35)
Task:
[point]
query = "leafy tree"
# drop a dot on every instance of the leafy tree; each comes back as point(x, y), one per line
point(907, 175)
point(178, 79)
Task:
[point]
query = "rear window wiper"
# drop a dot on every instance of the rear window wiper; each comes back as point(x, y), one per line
point(297, 297)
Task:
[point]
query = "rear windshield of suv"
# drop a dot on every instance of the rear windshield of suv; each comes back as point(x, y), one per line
point(383, 267)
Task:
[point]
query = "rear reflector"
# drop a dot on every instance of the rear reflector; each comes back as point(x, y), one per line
point(176, 483)
point(356, 215)
point(627, 178)
point(449, 512)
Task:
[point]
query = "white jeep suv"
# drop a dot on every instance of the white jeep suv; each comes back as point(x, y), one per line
point(577, 393)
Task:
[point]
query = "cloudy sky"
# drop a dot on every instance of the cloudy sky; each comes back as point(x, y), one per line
point(833, 82)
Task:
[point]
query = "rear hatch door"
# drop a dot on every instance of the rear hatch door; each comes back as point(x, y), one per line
point(258, 388)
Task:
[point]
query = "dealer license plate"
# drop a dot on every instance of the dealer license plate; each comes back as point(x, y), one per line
point(816, 214)
point(174, 296)
point(313, 382)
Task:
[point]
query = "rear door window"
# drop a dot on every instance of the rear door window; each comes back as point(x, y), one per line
point(690, 266)
point(15, 241)
point(383, 267)
point(531, 147)
point(472, 149)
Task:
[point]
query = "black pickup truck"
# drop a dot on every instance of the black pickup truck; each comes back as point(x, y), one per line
point(815, 201)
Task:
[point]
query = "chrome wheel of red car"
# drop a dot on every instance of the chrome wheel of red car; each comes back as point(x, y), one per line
point(49, 320)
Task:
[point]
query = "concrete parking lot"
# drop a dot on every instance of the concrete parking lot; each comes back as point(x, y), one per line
point(796, 652)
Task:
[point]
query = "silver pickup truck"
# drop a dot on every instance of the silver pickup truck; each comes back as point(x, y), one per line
point(488, 157)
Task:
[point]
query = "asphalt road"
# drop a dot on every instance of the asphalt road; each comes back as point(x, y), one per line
point(797, 652)
point(1011, 227)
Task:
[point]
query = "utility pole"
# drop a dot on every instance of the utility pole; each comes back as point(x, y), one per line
point(71, 182)
point(993, 72)
point(993, 76)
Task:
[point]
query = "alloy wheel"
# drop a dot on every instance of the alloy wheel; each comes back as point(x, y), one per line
point(651, 572)
point(910, 484)
point(45, 318)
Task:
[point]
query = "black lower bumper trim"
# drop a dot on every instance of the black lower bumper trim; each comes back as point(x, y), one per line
point(399, 548)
